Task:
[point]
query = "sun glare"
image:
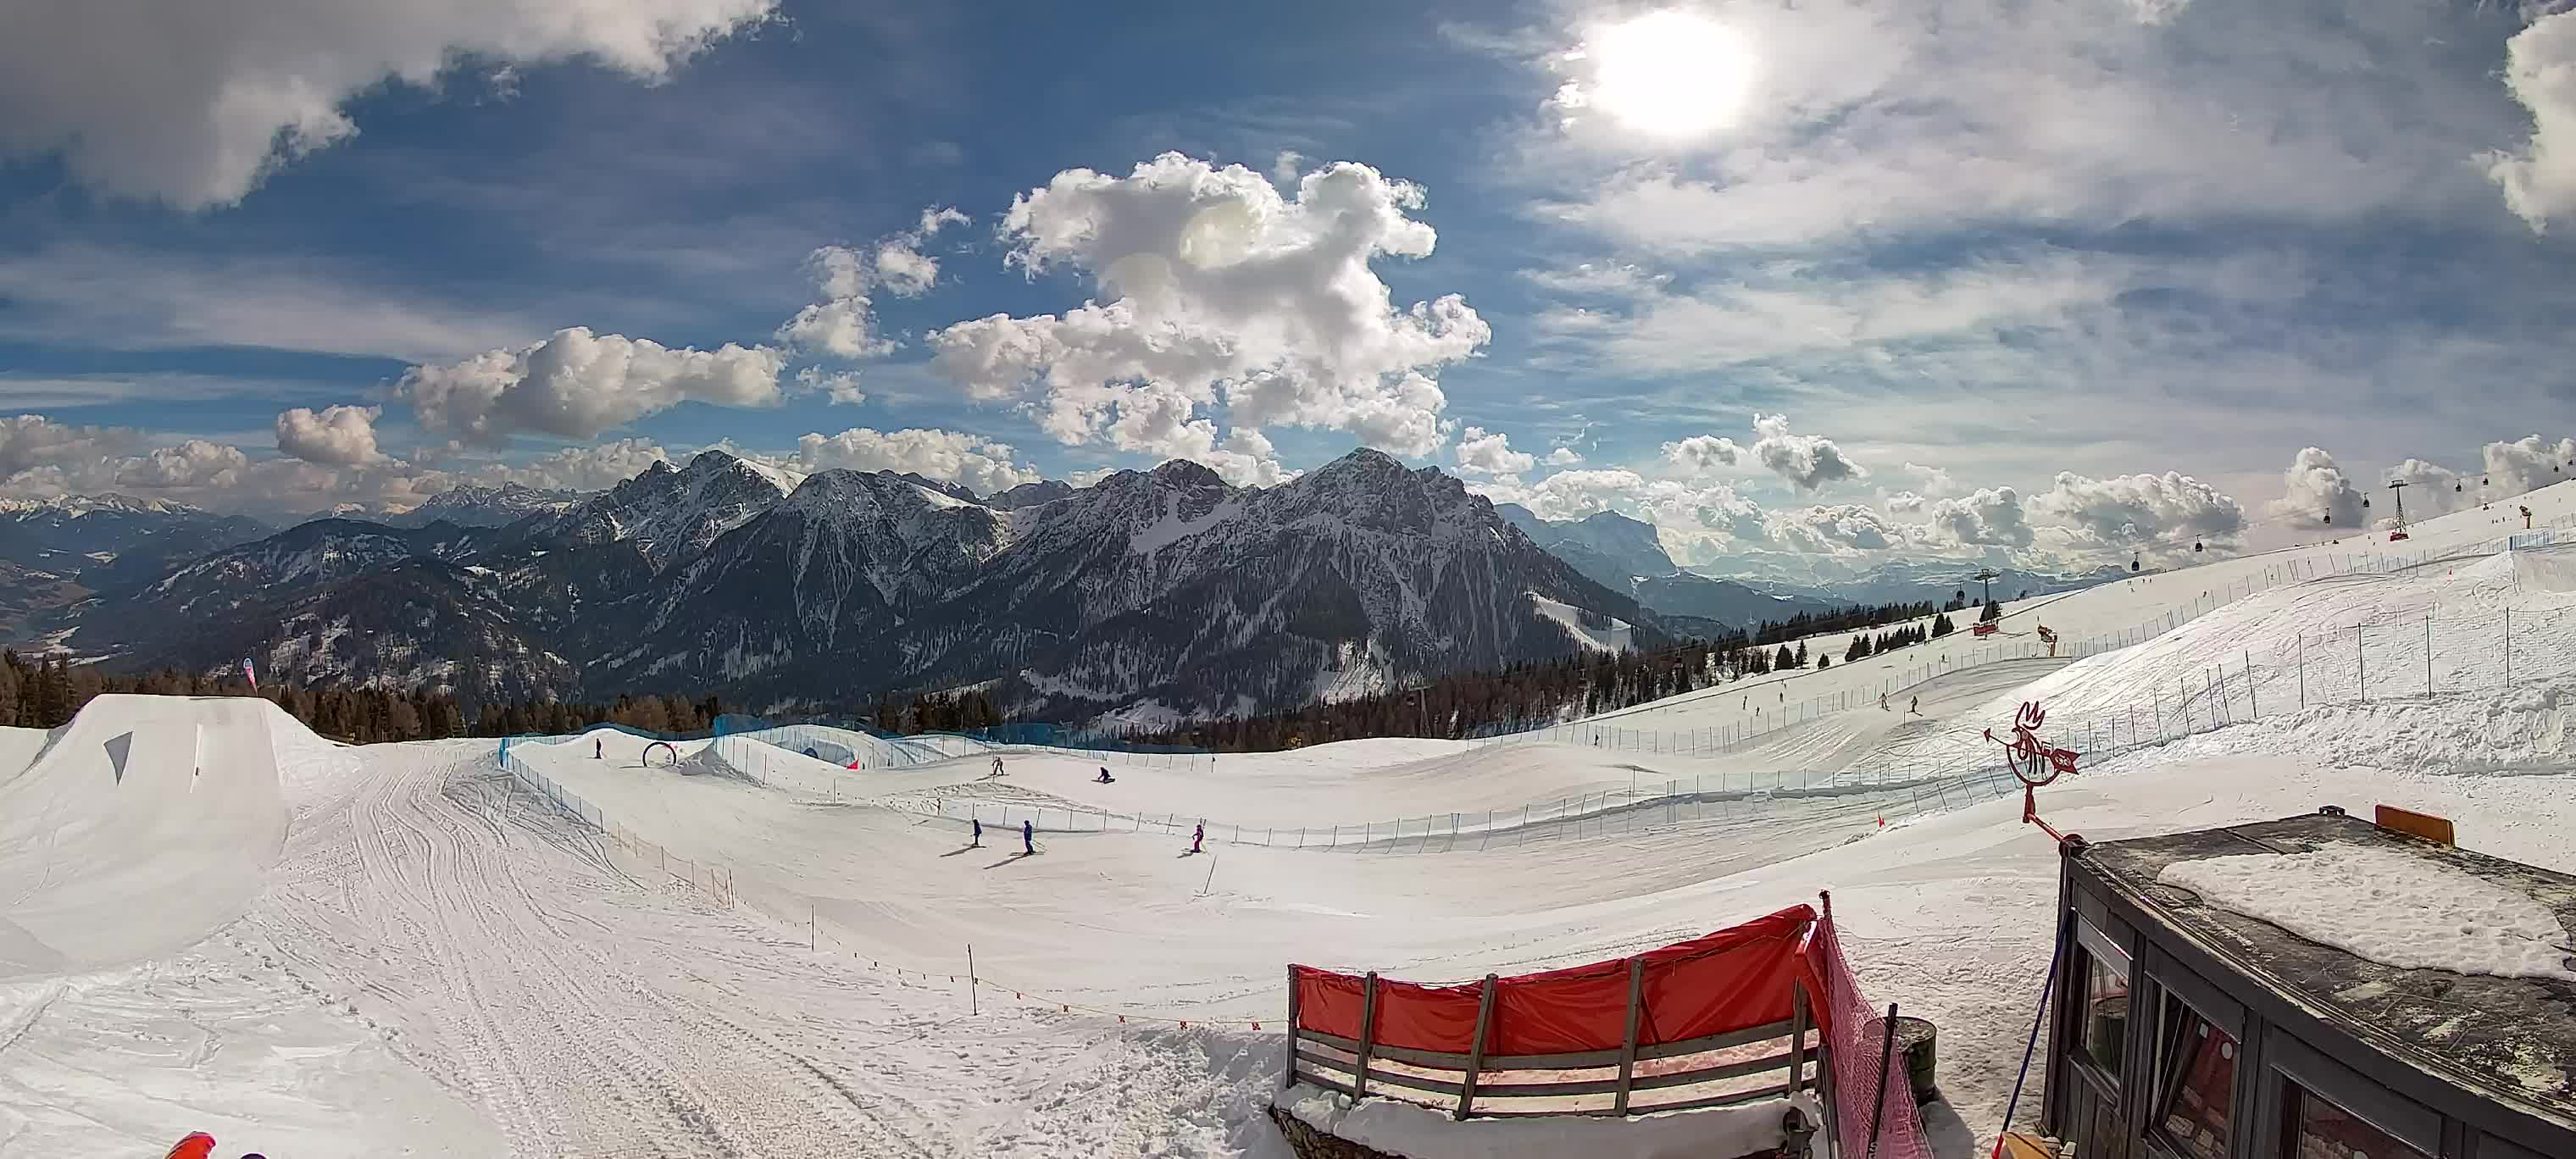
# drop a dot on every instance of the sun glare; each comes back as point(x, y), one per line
point(1669, 74)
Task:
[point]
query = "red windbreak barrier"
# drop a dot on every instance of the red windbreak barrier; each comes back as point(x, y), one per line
point(1733, 979)
point(1439, 1018)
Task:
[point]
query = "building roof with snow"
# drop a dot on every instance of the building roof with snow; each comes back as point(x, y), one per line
point(2427, 991)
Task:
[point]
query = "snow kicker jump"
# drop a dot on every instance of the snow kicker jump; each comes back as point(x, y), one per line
point(142, 825)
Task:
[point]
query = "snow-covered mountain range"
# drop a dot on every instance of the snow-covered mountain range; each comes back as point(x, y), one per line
point(1165, 588)
point(54, 551)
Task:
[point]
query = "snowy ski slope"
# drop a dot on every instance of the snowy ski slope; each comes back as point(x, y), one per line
point(410, 952)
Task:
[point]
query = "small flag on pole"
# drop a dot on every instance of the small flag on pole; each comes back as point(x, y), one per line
point(250, 674)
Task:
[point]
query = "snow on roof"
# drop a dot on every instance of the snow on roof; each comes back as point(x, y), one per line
point(2387, 906)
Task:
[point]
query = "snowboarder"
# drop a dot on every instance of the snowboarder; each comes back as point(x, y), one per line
point(1028, 838)
point(1105, 778)
point(1882, 702)
point(997, 766)
point(195, 1145)
point(978, 842)
point(598, 749)
point(1917, 707)
point(1198, 836)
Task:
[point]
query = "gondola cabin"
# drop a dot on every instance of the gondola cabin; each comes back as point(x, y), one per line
point(2424, 1010)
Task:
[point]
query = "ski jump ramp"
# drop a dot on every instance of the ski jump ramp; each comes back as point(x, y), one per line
point(139, 828)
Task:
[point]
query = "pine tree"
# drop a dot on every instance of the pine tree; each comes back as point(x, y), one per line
point(1941, 627)
point(1994, 611)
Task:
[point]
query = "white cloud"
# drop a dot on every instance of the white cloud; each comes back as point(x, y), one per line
point(979, 464)
point(1210, 284)
point(1937, 482)
point(843, 324)
point(1833, 528)
point(841, 386)
point(1246, 459)
point(1702, 454)
point(2539, 178)
point(193, 465)
point(1871, 120)
point(1564, 457)
point(341, 436)
point(1986, 517)
point(1906, 503)
point(1285, 167)
point(594, 468)
point(577, 384)
point(2167, 512)
point(1490, 454)
point(2431, 489)
point(158, 298)
point(31, 441)
point(196, 104)
point(1807, 461)
point(2526, 464)
point(1774, 311)
point(2315, 492)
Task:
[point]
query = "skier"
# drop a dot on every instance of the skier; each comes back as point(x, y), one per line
point(978, 842)
point(1882, 702)
point(196, 1145)
point(598, 749)
point(1105, 778)
point(1197, 836)
point(1028, 838)
point(997, 766)
point(1917, 707)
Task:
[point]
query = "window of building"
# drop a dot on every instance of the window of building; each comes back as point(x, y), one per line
point(2319, 1129)
point(2105, 1029)
point(2195, 1083)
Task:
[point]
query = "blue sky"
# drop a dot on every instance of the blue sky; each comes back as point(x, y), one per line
point(1806, 285)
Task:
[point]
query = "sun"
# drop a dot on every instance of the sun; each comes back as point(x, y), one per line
point(1671, 75)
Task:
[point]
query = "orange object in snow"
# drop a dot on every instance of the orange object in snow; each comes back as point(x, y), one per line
point(197, 1145)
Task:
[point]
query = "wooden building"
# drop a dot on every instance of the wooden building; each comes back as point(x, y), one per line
point(2183, 1030)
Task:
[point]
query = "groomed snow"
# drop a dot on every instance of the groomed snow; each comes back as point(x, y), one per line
point(2388, 907)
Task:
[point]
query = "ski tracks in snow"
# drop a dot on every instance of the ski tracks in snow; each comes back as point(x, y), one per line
point(586, 1012)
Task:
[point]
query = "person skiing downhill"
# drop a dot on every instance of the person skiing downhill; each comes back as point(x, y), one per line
point(195, 1145)
point(997, 766)
point(1105, 778)
point(1198, 836)
point(978, 842)
point(1028, 838)
point(1917, 707)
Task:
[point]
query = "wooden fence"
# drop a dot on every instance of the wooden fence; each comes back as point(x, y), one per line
point(1711, 1071)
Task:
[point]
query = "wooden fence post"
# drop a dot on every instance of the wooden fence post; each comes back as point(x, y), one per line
point(1628, 1048)
point(1476, 1053)
point(1289, 1079)
point(1368, 1037)
point(1797, 1037)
